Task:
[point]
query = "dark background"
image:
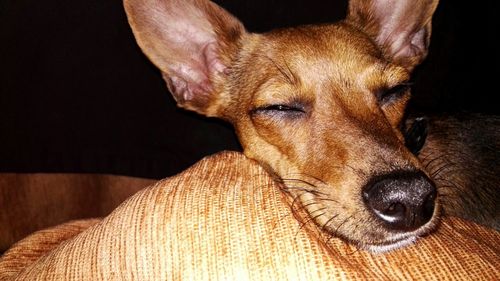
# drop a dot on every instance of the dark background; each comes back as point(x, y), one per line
point(77, 95)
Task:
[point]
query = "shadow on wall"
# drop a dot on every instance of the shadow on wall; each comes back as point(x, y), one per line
point(77, 95)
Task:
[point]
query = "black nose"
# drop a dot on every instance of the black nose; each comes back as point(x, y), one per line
point(401, 200)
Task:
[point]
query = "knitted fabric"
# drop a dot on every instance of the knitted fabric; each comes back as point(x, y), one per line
point(226, 219)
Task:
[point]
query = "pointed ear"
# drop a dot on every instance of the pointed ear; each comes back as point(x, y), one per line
point(401, 28)
point(191, 42)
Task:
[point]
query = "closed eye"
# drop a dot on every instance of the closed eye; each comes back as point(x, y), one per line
point(282, 110)
point(391, 94)
point(281, 107)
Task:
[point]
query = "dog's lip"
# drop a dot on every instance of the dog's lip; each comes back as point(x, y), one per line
point(395, 242)
point(404, 239)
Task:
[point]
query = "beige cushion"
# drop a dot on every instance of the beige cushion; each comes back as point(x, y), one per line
point(225, 219)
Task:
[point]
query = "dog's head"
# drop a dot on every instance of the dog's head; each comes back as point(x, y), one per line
point(319, 106)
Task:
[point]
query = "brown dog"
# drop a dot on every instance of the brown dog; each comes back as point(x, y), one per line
point(320, 106)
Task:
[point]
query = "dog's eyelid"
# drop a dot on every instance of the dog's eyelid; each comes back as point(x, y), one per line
point(394, 92)
point(283, 107)
point(280, 108)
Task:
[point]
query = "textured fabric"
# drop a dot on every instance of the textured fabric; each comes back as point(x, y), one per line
point(225, 219)
point(29, 250)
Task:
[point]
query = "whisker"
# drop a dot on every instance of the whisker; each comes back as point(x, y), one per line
point(312, 191)
point(325, 225)
point(327, 199)
point(295, 200)
point(446, 183)
point(428, 166)
point(307, 176)
point(341, 224)
point(310, 219)
point(320, 209)
point(313, 202)
point(435, 173)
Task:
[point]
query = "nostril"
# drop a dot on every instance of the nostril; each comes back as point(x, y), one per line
point(402, 200)
point(392, 214)
point(396, 211)
point(429, 205)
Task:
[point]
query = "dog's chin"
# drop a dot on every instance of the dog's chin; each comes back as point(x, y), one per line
point(387, 247)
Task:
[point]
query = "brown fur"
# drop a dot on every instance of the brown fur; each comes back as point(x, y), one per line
point(309, 103)
point(462, 153)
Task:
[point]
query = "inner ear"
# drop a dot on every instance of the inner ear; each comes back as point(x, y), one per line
point(192, 42)
point(401, 28)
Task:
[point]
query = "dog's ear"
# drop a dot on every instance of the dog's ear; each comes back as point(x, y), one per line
point(401, 28)
point(191, 42)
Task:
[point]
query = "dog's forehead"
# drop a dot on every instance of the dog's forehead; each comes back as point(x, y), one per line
point(322, 51)
point(322, 57)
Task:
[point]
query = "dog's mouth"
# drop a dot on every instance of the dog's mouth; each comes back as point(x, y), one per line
point(401, 240)
point(377, 239)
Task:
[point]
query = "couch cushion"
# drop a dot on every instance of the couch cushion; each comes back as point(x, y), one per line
point(225, 218)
